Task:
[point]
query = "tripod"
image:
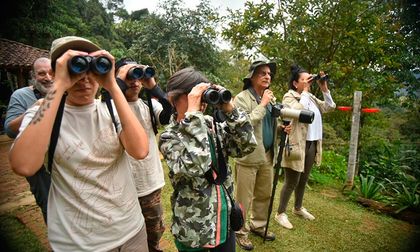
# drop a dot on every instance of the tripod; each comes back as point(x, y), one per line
point(276, 175)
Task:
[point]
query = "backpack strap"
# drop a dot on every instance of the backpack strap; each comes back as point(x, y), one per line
point(218, 164)
point(106, 97)
point(151, 112)
point(55, 132)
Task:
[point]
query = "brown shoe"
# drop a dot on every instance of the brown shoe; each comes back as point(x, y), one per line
point(270, 235)
point(244, 242)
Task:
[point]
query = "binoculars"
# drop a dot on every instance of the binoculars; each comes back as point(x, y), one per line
point(143, 72)
point(80, 64)
point(214, 96)
point(316, 77)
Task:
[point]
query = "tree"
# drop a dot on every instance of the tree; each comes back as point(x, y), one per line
point(358, 42)
point(38, 23)
point(371, 46)
point(177, 38)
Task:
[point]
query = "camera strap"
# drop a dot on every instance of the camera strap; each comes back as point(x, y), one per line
point(220, 163)
point(254, 93)
point(151, 112)
point(106, 97)
point(55, 132)
point(258, 98)
point(37, 93)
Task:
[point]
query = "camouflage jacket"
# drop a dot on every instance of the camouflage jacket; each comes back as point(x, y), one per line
point(185, 146)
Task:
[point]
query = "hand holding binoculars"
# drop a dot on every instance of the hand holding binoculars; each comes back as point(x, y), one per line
point(316, 77)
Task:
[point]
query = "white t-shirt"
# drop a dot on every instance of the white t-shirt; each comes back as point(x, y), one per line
point(148, 172)
point(92, 203)
point(315, 128)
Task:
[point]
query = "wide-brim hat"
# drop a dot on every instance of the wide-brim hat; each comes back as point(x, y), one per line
point(255, 65)
point(61, 45)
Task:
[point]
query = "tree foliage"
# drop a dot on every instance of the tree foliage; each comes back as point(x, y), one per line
point(176, 38)
point(371, 46)
point(360, 43)
point(38, 23)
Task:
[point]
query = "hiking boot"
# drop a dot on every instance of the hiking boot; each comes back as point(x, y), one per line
point(283, 220)
point(304, 213)
point(270, 235)
point(244, 242)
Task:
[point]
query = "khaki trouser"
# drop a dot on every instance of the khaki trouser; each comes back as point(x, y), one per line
point(253, 191)
point(138, 243)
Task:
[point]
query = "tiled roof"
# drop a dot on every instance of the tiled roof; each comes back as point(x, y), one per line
point(16, 55)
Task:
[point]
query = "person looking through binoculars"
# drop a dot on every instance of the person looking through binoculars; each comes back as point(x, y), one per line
point(304, 144)
point(148, 173)
point(196, 148)
point(92, 203)
point(254, 172)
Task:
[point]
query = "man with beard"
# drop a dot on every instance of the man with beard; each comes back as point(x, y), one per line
point(20, 101)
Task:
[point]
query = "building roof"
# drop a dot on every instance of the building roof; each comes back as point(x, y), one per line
point(15, 55)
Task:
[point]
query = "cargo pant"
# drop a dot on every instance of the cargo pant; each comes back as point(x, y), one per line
point(152, 210)
point(253, 191)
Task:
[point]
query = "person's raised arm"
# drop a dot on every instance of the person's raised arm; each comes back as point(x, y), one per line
point(133, 137)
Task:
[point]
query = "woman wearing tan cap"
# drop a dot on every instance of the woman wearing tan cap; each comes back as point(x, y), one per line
point(92, 201)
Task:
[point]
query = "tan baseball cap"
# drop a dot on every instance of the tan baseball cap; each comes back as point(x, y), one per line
point(61, 45)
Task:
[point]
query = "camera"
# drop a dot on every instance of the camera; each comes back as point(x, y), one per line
point(80, 64)
point(316, 77)
point(143, 72)
point(214, 96)
point(303, 116)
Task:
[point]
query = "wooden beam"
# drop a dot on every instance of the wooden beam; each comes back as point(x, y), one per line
point(354, 139)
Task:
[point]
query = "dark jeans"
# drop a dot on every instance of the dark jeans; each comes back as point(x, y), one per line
point(228, 246)
point(296, 181)
point(40, 186)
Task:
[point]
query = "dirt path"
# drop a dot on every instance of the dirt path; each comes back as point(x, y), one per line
point(16, 198)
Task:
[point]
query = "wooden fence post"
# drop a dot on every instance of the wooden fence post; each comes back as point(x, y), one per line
point(354, 137)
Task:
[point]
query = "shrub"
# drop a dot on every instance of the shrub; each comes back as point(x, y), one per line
point(369, 188)
point(333, 164)
point(405, 196)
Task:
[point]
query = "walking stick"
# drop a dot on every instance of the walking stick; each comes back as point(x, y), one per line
point(276, 175)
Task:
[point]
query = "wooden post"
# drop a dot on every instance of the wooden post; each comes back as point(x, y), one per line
point(354, 137)
point(20, 79)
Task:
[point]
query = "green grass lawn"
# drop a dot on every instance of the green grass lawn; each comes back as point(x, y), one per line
point(15, 236)
point(340, 225)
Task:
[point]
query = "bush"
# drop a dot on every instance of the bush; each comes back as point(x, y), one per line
point(384, 152)
point(404, 196)
point(369, 188)
point(333, 164)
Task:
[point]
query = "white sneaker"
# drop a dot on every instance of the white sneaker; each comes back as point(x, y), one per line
point(304, 213)
point(283, 220)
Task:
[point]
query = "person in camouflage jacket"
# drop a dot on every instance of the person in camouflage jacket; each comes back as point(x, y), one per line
point(198, 204)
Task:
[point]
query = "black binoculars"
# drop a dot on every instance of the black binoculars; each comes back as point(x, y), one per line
point(215, 96)
point(316, 77)
point(80, 64)
point(144, 72)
